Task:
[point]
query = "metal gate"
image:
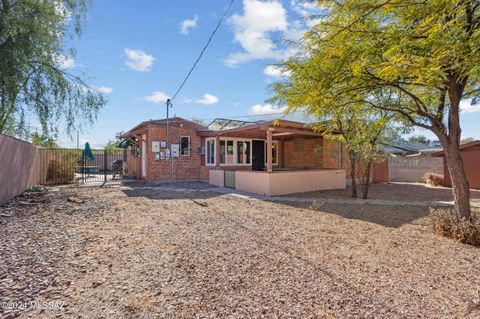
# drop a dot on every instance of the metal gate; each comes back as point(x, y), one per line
point(229, 178)
point(71, 166)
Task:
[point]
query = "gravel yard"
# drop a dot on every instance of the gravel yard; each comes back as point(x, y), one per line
point(149, 253)
point(395, 191)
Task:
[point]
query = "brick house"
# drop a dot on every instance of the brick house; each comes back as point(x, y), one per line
point(234, 154)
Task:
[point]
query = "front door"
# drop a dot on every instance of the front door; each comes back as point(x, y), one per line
point(258, 155)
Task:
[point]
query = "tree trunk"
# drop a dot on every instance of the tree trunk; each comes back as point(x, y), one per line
point(353, 174)
point(451, 146)
point(461, 188)
point(367, 179)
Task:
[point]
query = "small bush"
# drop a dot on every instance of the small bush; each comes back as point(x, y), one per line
point(433, 179)
point(445, 223)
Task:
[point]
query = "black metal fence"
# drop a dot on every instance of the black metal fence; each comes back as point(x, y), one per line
point(71, 166)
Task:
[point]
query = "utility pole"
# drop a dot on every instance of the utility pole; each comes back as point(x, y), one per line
point(169, 105)
point(78, 140)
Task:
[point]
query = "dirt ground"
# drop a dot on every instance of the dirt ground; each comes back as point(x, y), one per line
point(395, 191)
point(156, 253)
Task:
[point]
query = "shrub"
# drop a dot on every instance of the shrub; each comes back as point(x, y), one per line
point(445, 223)
point(61, 167)
point(433, 179)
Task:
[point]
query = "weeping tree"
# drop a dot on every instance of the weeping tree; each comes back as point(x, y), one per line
point(426, 53)
point(35, 84)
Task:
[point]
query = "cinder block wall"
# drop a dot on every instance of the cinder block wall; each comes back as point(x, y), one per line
point(412, 168)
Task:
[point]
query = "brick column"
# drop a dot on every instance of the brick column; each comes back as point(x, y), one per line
point(269, 151)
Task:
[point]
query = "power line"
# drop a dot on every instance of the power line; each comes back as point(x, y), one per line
point(203, 50)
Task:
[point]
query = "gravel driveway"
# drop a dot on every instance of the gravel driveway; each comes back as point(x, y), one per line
point(149, 253)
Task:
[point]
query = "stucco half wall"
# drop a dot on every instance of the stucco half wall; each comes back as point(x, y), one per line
point(282, 183)
point(217, 177)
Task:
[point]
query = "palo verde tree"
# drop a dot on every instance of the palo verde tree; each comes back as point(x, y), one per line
point(34, 85)
point(359, 128)
point(361, 132)
point(424, 53)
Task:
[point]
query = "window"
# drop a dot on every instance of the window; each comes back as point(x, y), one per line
point(210, 154)
point(185, 146)
point(243, 152)
point(235, 152)
point(229, 153)
point(274, 153)
point(240, 152)
point(222, 152)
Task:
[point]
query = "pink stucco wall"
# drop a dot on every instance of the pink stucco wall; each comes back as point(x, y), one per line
point(217, 177)
point(22, 165)
point(282, 183)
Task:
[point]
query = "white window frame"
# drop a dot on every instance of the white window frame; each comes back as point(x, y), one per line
point(276, 150)
point(189, 146)
point(235, 152)
point(207, 155)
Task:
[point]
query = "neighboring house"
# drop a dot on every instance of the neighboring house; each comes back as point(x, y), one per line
point(470, 153)
point(235, 154)
point(408, 162)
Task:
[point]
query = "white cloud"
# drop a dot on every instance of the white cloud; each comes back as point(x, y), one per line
point(138, 60)
point(104, 89)
point(157, 97)
point(305, 7)
point(207, 99)
point(467, 107)
point(188, 24)
point(253, 30)
point(265, 109)
point(275, 71)
point(64, 62)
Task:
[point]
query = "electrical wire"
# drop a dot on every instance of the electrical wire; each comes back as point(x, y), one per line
point(203, 50)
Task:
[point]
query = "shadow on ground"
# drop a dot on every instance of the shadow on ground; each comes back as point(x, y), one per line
point(173, 190)
point(394, 191)
point(388, 216)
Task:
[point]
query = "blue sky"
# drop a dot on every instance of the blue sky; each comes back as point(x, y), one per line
point(138, 52)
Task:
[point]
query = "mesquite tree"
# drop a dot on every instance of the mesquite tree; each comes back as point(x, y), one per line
point(35, 86)
point(423, 53)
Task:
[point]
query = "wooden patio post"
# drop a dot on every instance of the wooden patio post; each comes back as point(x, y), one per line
point(269, 150)
point(217, 151)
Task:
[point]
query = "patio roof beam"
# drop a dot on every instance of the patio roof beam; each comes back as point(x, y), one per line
point(292, 131)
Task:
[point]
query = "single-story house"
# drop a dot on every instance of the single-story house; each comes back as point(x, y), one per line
point(268, 157)
point(470, 153)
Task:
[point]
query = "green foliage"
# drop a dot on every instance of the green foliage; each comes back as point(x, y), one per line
point(198, 120)
point(422, 55)
point(419, 139)
point(45, 141)
point(112, 144)
point(33, 85)
point(467, 140)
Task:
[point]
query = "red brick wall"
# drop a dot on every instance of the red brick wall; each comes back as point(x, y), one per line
point(310, 153)
point(183, 167)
